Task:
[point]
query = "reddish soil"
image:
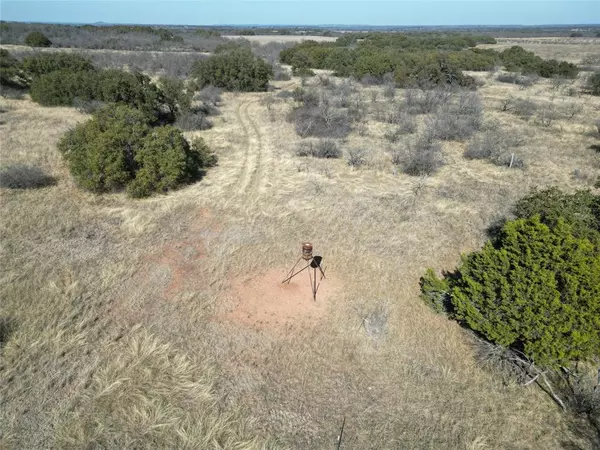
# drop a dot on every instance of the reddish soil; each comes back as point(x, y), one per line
point(264, 302)
point(167, 273)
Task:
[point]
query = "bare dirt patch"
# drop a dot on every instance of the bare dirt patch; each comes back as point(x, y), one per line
point(265, 302)
point(171, 272)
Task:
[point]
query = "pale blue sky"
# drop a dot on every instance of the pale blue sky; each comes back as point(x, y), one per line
point(260, 12)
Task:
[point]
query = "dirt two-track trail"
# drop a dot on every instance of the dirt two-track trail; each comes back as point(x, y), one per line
point(252, 176)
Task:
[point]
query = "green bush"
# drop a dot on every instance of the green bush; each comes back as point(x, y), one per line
point(432, 58)
point(434, 291)
point(164, 162)
point(45, 63)
point(133, 89)
point(593, 83)
point(517, 59)
point(206, 158)
point(37, 39)
point(175, 96)
point(62, 87)
point(580, 209)
point(536, 290)
point(235, 70)
point(118, 149)
point(101, 152)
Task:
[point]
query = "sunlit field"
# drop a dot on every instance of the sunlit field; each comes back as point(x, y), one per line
point(163, 323)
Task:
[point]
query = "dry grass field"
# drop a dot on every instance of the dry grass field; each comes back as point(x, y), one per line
point(566, 49)
point(161, 323)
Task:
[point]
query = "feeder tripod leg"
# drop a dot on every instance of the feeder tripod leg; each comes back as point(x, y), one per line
point(289, 275)
point(313, 282)
point(321, 269)
point(293, 275)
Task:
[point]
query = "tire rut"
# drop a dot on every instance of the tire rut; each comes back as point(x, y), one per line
point(243, 177)
point(250, 178)
point(257, 176)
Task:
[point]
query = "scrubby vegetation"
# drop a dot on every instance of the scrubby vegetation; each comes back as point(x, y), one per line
point(517, 59)
point(119, 149)
point(61, 88)
point(495, 145)
point(420, 156)
point(593, 83)
point(436, 59)
point(114, 37)
point(533, 288)
point(324, 148)
point(236, 70)
point(44, 63)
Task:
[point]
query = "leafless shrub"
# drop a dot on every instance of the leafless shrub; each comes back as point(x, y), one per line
point(392, 136)
point(304, 148)
point(24, 177)
point(591, 61)
point(497, 146)
point(210, 95)
point(421, 156)
point(325, 81)
point(374, 96)
point(320, 122)
point(370, 80)
point(571, 109)
point(524, 108)
point(270, 51)
point(374, 317)
point(418, 101)
point(357, 110)
point(356, 157)
point(507, 104)
point(164, 63)
point(309, 97)
point(389, 91)
point(284, 94)
point(362, 128)
point(516, 78)
point(500, 360)
point(344, 91)
point(324, 148)
point(546, 116)
point(469, 103)
point(559, 82)
point(281, 74)
point(11, 93)
point(87, 106)
point(457, 121)
point(268, 101)
point(193, 121)
point(405, 124)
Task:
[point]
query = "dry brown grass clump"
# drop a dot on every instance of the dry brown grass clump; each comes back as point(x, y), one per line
point(148, 395)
